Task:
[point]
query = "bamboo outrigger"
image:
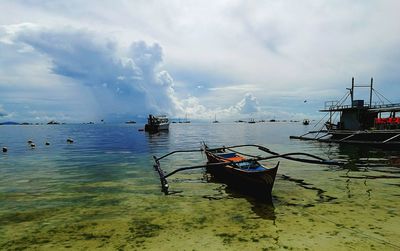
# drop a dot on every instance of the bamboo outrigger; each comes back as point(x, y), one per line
point(359, 123)
point(239, 170)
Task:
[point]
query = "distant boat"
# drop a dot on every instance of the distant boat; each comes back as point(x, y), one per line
point(186, 120)
point(306, 122)
point(9, 123)
point(157, 123)
point(215, 119)
point(251, 121)
point(53, 122)
point(272, 120)
point(130, 122)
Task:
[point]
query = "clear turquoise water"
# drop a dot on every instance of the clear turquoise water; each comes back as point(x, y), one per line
point(101, 192)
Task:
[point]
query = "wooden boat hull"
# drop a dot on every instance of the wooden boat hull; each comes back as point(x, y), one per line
point(257, 183)
point(156, 128)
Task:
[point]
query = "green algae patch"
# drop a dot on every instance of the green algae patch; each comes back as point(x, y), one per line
point(144, 228)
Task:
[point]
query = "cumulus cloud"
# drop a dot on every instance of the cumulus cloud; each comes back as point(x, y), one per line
point(122, 81)
point(249, 104)
point(181, 61)
point(131, 83)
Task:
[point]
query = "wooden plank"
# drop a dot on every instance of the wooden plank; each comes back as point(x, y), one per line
point(347, 137)
point(301, 138)
point(389, 139)
point(323, 136)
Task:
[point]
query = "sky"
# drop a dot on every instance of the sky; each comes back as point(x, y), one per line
point(79, 61)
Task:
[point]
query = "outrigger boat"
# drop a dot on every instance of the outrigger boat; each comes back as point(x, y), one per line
point(374, 124)
point(241, 171)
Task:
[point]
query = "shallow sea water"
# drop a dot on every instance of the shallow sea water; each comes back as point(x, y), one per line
point(101, 192)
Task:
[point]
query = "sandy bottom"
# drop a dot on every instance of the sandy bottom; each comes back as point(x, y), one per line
point(314, 208)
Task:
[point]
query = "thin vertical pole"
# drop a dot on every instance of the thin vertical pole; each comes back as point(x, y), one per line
point(370, 94)
point(352, 90)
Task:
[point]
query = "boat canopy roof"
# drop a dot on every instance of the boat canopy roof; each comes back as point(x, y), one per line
point(373, 108)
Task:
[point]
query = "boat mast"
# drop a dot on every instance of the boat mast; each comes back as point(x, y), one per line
point(370, 93)
point(352, 91)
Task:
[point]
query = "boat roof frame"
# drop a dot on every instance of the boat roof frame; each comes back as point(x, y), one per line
point(375, 108)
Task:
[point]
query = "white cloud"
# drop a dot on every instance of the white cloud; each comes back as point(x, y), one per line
point(248, 104)
point(280, 51)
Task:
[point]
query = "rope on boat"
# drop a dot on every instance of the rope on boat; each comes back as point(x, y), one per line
point(378, 93)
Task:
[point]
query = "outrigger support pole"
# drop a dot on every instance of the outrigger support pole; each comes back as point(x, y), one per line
point(244, 154)
point(318, 160)
point(163, 177)
point(164, 182)
point(180, 151)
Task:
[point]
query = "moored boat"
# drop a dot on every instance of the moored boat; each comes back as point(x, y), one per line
point(246, 175)
point(240, 171)
point(215, 119)
point(359, 122)
point(156, 123)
